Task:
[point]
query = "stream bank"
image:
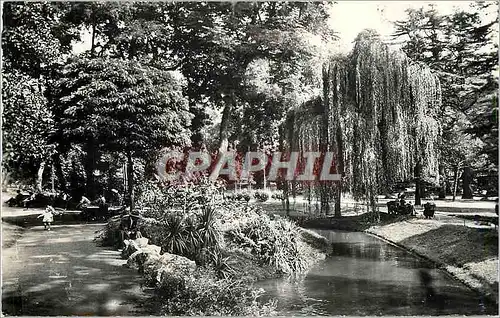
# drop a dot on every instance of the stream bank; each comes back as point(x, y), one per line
point(365, 275)
point(469, 254)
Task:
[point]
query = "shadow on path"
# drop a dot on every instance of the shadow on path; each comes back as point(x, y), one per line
point(63, 272)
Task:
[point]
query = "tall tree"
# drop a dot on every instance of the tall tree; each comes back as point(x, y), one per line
point(378, 116)
point(34, 37)
point(123, 106)
point(214, 49)
point(460, 48)
point(27, 123)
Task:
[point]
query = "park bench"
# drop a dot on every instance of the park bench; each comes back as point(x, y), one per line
point(395, 207)
point(95, 212)
point(17, 200)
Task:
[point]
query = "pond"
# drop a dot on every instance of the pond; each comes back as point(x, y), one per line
point(368, 276)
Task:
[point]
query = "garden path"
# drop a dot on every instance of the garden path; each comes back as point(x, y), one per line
point(64, 272)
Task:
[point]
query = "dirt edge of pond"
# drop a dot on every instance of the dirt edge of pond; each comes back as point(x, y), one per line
point(461, 274)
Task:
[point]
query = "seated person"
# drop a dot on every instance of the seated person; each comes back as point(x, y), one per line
point(29, 200)
point(102, 207)
point(84, 202)
point(117, 198)
point(402, 200)
point(17, 200)
point(129, 225)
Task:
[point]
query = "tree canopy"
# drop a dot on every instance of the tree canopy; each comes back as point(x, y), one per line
point(378, 114)
point(460, 47)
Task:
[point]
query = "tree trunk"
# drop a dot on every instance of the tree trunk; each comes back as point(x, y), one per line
point(442, 185)
point(418, 184)
point(287, 199)
point(89, 171)
point(52, 178)
point(467, 177)
point(5, 179)
point(324, 143)
point(130, 173)
point(283, 181)
point(325, 202)
point(340, 170)
point(265, 183)
point(92, 48)
point(224, 125)
point(447, 186)
point(39, 178)
point(59, 172)
point(455, 181)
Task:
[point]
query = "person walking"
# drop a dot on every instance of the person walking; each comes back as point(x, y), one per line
point(48, 217)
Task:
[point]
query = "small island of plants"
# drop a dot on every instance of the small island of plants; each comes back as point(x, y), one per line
point(201, 252)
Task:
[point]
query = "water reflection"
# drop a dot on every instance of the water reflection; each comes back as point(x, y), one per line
point(367, 276)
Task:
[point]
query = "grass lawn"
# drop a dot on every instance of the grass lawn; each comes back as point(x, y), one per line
point(349, 223)
point(479, 218)
point(455, 245)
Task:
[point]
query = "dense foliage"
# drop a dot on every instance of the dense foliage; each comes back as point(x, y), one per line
point(27, 126)
point(232, 243)
point(214, 53)
point(202, 294)
point(378, 114)
point(197, 222)
point(460, 47)
point(119, 106)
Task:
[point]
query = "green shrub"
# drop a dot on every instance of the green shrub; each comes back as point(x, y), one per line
point(232, 243)
point(278, 196)
point(240, 196)
point(110, 234)
point(184, 218)
point(203, 294)
point(247, 265)
point(261, 196)
point(185, 235)
point(275, 242)
point(159, 197)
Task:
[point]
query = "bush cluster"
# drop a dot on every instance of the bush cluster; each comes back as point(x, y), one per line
point(238, 196)
point(202, 293)
point(261, 196)
point(278, 196)
point(110, 234)
point(275, 242)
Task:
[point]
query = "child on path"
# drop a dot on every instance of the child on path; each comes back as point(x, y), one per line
point(48, 216)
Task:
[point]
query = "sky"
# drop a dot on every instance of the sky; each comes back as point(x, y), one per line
point(349, 18)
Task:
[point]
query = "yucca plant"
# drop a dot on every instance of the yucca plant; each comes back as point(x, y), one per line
point(175, 240)
point(192, 235)
point(220, 264)
point(210, 235)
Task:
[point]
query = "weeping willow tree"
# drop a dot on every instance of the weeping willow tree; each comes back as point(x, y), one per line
point(378, 114)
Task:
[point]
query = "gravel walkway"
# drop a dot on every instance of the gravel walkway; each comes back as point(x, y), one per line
point(63, 272)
